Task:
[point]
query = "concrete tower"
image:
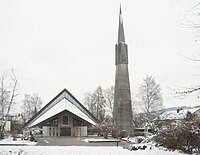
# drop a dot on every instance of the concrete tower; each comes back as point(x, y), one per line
point(123, 117)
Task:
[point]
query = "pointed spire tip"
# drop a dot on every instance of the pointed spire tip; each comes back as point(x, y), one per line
point(120, 10)
point(121, 37)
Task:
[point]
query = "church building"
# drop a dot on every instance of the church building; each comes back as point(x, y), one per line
point(64, 115)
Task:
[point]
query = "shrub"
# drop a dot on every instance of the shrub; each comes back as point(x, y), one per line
point(185, 137)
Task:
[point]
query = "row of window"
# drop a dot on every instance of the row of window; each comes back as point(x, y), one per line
point(65, 121)
point(54, 122)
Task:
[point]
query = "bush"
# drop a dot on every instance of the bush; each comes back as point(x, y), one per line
point(123, 134)
point(185, 137)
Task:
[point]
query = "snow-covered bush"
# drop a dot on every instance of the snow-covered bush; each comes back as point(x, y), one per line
point(185, 137)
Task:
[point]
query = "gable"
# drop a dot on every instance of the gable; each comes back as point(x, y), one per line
point(63, 101)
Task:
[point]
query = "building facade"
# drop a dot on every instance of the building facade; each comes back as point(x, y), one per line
point(64, 115)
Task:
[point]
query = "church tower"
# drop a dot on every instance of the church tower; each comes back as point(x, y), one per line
point(123, 117)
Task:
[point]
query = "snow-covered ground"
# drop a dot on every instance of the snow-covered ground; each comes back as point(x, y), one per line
point(79, 150)
point(18, 141)
point(8, 147)
point(89, 140)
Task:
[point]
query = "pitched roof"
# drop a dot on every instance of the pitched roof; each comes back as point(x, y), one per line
point(170, 115)
point(63, 101)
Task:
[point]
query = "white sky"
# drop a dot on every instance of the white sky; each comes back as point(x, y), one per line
point(60, 44)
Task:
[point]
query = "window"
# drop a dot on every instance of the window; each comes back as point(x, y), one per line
point(55, 122)
point(77, 122)
point(65, 120)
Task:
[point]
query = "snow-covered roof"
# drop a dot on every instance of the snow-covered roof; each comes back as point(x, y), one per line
point(63, 101)
point(169, 115)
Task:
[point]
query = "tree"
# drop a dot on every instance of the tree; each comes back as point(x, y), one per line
point(89, 101)
point(150, 99)
point(109, 97)
point(191, 21)
point(100, 102)
point(183, 135)
point(96, 103)
point(8, 92)
point(31, 104)
point(137, 120)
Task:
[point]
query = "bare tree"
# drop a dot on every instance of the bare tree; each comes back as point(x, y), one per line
point(96, 103)
point(8, 88)
point(100, 101)
point(89, 101)
point(109, 97)
point(137, 120)
point(149, 99)
point(192, 21)
point(31, 104)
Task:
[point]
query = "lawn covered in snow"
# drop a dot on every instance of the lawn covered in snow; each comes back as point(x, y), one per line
point(10, 147)
point(9, 141)
point(80, 150)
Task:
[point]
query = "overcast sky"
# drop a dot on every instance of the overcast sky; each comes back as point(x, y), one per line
point(57, 44)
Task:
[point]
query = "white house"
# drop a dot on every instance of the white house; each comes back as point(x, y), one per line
point(174, 117)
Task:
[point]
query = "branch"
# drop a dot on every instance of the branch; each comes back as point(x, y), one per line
point(147, 121)
point(186, 92)
point(192, 59)
point(13, 94)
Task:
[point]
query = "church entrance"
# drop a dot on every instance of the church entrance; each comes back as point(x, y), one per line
point(65, 131)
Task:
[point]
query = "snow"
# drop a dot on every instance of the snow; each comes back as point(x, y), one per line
point(30, 149)
point(133, 140)
point(174, 115)
point(88, 140)
point(18, 141)
point(62, 105)
point(79, 150)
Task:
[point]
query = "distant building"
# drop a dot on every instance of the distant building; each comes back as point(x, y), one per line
point(64, 115)
point(174, 117)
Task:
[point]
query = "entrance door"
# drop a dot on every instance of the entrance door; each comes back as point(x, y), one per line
point(65, 131)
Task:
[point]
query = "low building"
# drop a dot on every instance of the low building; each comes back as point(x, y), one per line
point(64, 115)
point(172, 118)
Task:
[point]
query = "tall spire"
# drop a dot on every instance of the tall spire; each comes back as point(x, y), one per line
point(121, 38)
point(122, 113)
